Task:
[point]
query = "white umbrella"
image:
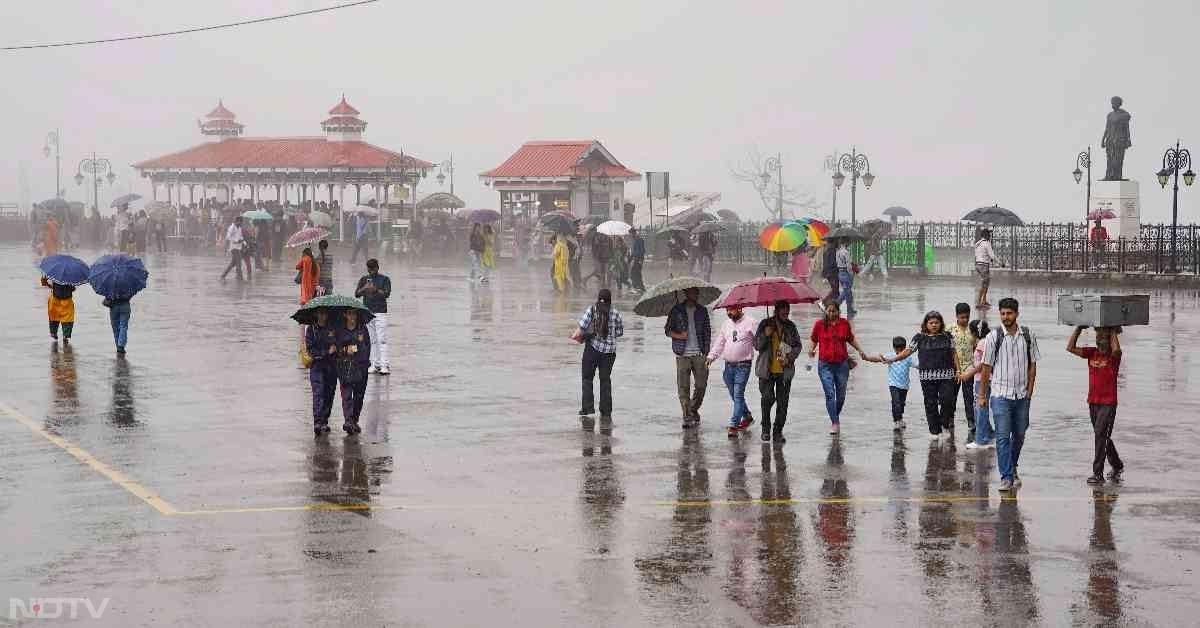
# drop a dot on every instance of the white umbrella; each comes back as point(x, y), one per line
point(321, 219)
point(613, 228)
point(365, 210)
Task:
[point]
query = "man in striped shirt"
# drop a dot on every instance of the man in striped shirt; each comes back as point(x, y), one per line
point(1009, 366)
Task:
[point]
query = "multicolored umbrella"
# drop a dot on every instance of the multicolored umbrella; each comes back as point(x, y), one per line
point(659, 299)
point(118, 276)
point(65, 269)
point(307, 236)
point(782, 237)
point(258, 214)
point(307, 315)
point(766, 291)
point(1101, 214)
point(613, 228)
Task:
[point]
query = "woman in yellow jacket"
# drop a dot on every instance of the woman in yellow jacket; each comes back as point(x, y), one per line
point(60, 309)
point(561, 259)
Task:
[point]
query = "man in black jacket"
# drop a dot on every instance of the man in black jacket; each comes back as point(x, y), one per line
point(778, 344)
point(374, 289)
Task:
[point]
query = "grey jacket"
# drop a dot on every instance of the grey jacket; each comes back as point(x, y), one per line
point(762, 344)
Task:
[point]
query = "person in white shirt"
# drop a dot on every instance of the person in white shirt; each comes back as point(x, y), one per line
point(1009, 371)
point(233, 241)
point(845, 276)
point(985, 256)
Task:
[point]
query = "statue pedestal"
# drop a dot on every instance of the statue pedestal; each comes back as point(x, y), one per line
point(1120, 198)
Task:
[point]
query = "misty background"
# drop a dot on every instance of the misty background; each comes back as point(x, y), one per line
point(957, 105)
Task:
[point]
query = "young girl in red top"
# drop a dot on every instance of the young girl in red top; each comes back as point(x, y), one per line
point(1104, 362)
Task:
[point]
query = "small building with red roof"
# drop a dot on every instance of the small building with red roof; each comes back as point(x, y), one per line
point(580, 176)
point(302, 169)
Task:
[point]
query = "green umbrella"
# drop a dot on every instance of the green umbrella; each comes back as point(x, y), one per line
point(307, 315)
point(659, 300)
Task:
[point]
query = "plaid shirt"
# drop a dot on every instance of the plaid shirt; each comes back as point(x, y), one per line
point(677, 320)
point(616, 329)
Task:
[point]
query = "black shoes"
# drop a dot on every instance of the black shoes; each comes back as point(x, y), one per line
point(321, 428)
point(1095, 480)
point(778, 437)
point(351, 427)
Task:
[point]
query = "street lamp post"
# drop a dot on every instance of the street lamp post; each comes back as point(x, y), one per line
point(1084, 160)
point(1174, 160)
point(775, 163)
point(859, 167)
point(95, 166)
point(52, 138)
point(444, 168)
point(831, 166)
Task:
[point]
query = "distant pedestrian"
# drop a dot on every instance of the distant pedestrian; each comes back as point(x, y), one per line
point(830, 335)
point(575, 261)
point(475, 249)
point(1104, 363)
point(875, 257)
point(322, 344)
point(325, 261)
point(249, 247)
point(119, 312)
point(964, 354)
point(50, 237)
point(637, 256)
point(233, 242)
point(735, 345)
point(308, 275)
point(801, 265)
point(985, 434)
point(598, 331)
point(361, 226)
point(488, 259)
point(60, 309)
point(691, 338)
point(779, 346)
point(845, 268)
point(354, 360)
point(706, 249)
point(1010, 360)
point(374, 289)
point(560, 267)
point(898, 379)
point(159, 229)
point(829, 270)
point(985, 256)
point(937, 367)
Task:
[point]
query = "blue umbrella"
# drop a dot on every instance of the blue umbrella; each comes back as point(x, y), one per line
point(258, 214)
point(64, 269)
point(118, 276)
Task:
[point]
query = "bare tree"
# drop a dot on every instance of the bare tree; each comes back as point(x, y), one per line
point(761, 173)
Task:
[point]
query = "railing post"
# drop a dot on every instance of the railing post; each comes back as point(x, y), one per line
point(921, 251)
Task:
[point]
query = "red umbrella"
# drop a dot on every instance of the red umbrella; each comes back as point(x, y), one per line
point(766, 291)
point(1101, 214)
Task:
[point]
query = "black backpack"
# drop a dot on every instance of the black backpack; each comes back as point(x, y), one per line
point(1000, 340)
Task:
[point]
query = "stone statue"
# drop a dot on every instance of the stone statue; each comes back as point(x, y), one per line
point(1115, 140)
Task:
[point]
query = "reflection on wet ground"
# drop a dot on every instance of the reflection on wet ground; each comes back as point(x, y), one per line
point(473, 479)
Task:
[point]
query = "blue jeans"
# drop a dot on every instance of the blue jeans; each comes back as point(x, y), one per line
point(736, 377)
point(118, 315)
point(833, 377)
point(846, 289)
point(983, 421)
point(1012, 419)
point(476, 268)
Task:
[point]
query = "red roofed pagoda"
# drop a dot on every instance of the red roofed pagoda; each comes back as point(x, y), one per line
point(229, 164)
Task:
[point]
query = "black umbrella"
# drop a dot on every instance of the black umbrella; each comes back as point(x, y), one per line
point(557, 224)
point(876, 228)
point(897, 211)
point(708, 227)
point(55, 204)
point(728, 214)
point(672, 230)
point(994, 215)
point(846, 233)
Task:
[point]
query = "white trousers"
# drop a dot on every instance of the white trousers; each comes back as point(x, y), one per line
point(379, 341)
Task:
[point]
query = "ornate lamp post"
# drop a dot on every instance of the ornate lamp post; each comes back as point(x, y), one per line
point(52, 139)
point(1174, 160)
point(775, 163)
point(859, 167)
point(446, 167)
point(1084, 160)
point(95, 166)
point(831, 165)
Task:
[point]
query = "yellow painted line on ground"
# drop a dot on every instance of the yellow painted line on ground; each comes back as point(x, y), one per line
point(923, 499)
point(118, 478)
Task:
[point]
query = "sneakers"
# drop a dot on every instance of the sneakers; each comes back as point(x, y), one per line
point(934, 437)
point(586, 412)
point(385, 370)
point(1016, 479)
point(1095, 480)
point(896, 426)
point(1115, 474)
point(733, 432)
point(320, 429)
point(971, 436)
point(944, 436)
point(373, 370)
point(972, 445)
point(351, 427)
point(778, 437)
point(835, 429)
point(1006, 486)
point(747, 421)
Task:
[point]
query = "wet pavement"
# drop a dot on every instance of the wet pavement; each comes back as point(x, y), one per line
point(183, 483)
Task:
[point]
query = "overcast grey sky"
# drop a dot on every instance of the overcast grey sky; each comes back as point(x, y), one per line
point(957, 104)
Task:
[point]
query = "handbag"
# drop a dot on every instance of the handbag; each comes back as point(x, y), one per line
point(299, 276)
point(349, 372)
point(305, 358)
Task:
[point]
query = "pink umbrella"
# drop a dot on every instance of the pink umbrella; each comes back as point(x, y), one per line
point(767, 291)
point(307, 236)
point(1101, 214)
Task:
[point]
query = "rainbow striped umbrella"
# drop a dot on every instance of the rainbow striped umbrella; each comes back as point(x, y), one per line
point(815, 230)
point(782, 237)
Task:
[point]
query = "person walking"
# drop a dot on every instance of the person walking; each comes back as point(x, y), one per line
point(50, 237)
point(354, 360)
point(985, 256)
point(964, 355)
point(233, 243)
point(691, 335)
point(60, 309)
point(637, 256)
point(279, 235)
point(985, 434)
point(361, 227)
point(374, 289)
point(898, 379)
point(1010, 360)
point(829, 270)
point(321, 342)
point(559, 269)
point(325, 263)
point(159, 229)
point(830, 335)
point(119, 312)
point(249, 247)
point(735, 345)
point(875, 257)
point(1104, 363)
point(937, 368)
point(845, 270)
point(778, 343)
point(598, 331)
point(308, 275)
point(801, 265)
point(488, 259)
